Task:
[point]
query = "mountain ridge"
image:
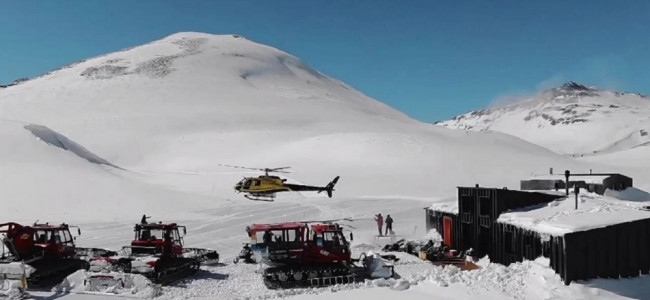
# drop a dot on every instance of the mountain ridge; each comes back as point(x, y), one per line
point(563, 119)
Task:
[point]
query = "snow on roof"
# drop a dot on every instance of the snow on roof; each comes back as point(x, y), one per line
point(447, 206)
point(596, 178)
point(630, 194)
point(560, 217)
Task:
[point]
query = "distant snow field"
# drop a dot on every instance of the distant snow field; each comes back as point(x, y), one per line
point(143, 131)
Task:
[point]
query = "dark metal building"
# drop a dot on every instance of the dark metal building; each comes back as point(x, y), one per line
point(609, 252)
point(597, 182)
point(479, 208)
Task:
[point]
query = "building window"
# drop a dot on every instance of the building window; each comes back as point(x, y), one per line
point(467, 203)
point(466, 218)
point(485, 204)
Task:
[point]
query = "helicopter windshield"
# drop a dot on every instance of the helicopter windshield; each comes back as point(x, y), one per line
point(247, 183)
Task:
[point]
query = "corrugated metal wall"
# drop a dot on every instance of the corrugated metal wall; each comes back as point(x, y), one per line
point(556, 256)
point(521, 244)
point(620, 250)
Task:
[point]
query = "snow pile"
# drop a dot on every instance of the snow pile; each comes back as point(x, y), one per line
point(15, 270)
point(433, 235)
point(560, 216)
point(630, 194)
point(11, 289)
point(448, 280)
point(376, 266)
point(392, 283)
point(11, 279)
point(131, 285)
point(529, 280)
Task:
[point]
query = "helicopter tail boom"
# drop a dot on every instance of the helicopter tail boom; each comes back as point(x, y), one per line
point(329, 188)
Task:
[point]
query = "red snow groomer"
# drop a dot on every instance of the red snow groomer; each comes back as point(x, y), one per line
point(156, 252)
point(45, 254)
point(303, 254)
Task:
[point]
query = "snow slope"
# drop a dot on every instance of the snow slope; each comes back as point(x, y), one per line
point(39, 181)
point(143, 131)
point(191, 100)
point(571, 119)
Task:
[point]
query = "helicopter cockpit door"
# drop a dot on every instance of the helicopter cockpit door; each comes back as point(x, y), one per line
point(247, 183)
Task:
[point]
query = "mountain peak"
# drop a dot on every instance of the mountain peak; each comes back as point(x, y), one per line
point(155, 58)
point(570, 90)
point(571, 85)
point(197, 34)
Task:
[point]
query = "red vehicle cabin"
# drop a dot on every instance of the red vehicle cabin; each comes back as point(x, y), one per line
point(40, 240)
point(318, 243)
point(159, 238)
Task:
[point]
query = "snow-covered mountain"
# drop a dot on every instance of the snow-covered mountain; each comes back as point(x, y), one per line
point(570, 119)
point(187, 102)
point(100, 142)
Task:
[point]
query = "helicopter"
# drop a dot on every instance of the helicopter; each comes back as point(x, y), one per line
point(264, 187)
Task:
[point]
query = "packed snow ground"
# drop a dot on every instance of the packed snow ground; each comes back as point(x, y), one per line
point(142, 131)
point(416, 279)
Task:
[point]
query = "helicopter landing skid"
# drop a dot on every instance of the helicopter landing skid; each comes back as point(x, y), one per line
point(260, 198)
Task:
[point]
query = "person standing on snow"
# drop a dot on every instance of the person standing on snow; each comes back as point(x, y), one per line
point(380, 222)
point(389, 224)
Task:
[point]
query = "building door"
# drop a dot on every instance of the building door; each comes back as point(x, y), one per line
point(446, 228)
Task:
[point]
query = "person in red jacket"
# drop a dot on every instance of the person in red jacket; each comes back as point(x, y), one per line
point(380, 222)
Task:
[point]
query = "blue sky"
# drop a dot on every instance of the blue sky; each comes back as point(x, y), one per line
point(429, 59)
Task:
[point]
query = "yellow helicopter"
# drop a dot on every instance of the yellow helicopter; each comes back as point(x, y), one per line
point(264, 187)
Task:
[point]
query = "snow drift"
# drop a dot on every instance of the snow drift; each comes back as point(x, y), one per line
point(54, 184)
point(58, 140)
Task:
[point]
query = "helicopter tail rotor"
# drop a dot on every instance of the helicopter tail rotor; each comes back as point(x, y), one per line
point(329, 188)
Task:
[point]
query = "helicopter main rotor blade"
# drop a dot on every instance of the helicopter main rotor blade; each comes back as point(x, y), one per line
point(280, 168)
point(240, 167)
point(276, 170)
